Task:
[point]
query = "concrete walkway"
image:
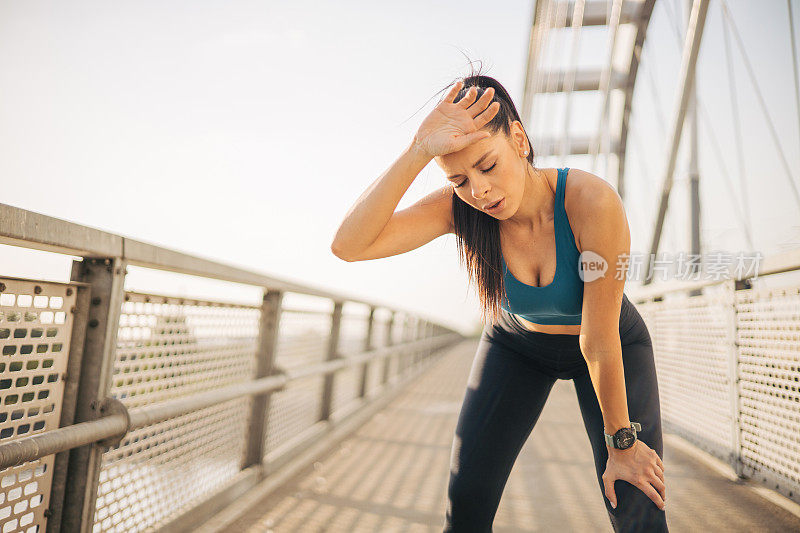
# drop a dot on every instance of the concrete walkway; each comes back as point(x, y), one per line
point(391, 475)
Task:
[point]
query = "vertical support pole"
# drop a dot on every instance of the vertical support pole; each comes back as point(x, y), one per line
point(694, 172)
point(691, 48)
point(107, 279)
point(269, 326)
point(404, 338)
point(80, 313)
point(420, 334)
point(367, 347)
point(736, 398)
point(428, 335)
point(387, 361)
point(333, 346)
point(733, 375)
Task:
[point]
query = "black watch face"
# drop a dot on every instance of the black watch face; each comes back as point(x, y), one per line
point(625, 439)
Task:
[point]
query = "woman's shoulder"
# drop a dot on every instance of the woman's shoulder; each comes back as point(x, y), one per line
point(587, 199)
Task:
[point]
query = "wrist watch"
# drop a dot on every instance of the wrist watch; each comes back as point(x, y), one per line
point(624, 437)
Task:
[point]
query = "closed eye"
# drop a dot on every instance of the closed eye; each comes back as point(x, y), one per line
point(484, 171)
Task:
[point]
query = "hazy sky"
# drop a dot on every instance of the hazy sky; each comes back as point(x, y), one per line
point(243, 131)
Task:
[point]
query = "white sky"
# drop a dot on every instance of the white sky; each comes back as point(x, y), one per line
point(243, 131)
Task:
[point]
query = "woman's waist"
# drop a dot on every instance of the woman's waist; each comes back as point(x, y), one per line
point(566, 337)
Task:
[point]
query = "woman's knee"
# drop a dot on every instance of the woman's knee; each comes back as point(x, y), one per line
point(635, 512)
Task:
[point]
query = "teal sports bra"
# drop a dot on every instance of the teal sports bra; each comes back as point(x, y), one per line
point(561, 301)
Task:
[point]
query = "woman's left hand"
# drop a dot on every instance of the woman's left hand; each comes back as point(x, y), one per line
point(639, 465)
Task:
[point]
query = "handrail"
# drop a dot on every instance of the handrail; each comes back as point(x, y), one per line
point(117, 425)
point(28, 229)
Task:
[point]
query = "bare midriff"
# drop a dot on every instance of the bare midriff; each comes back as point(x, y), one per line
point(569, 329)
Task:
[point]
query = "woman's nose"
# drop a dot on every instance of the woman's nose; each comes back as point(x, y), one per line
point(480, 188)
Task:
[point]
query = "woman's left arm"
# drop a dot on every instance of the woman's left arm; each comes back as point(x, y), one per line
point(605, 246)
point(604, 239)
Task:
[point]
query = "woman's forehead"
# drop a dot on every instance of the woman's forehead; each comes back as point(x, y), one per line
point(466, 160)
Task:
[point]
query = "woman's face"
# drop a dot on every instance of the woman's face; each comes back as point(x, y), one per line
point(489, 170)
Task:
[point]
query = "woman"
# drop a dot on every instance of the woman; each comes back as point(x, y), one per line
point(521, 232)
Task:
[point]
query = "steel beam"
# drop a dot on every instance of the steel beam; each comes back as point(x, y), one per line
point(691, 48)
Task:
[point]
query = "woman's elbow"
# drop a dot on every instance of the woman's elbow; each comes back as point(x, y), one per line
point(338, 252)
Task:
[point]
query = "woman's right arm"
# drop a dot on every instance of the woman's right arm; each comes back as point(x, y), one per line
point(371, 229)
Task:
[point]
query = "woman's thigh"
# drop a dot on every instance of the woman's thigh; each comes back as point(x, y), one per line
point(635, 510)
point(504, 397)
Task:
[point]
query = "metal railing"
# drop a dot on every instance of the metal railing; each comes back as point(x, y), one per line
point(126, 411)
point(728, 361)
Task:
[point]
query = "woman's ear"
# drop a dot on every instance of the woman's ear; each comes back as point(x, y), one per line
point(518, 137)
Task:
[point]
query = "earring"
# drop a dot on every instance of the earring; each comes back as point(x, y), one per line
point(526, 152)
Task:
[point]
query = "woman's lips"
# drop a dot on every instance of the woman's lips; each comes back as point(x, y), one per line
point(498, 207)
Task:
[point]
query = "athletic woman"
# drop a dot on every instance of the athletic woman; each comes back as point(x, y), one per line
point(522, 232)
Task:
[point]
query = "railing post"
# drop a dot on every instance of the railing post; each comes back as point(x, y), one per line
point(367, 347)
point(408, 335)
point(389, 342)
point(107, 279)
point(265, 359)
point(79, 312)
point(733, 332)
point(333, 346)
point(420, 355)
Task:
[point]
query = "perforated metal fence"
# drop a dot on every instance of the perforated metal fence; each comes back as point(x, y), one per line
point(728, 361)
point(35, 334)
point(132, 411)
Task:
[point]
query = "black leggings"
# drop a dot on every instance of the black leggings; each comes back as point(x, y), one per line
point(511, 377)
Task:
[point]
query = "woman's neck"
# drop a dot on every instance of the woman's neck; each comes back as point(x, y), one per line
point(538, 202)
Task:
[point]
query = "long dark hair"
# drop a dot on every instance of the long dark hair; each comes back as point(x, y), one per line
point(478, 234)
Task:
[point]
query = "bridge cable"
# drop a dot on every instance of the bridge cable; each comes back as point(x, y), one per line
point(737, 124)
point(726, 176)
point(794, 66)
point(708, 123)
point(762, 102)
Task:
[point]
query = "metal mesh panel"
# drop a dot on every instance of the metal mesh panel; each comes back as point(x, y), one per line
point(302, 340)
point(346, 384)
point(692, 344)
point(353, 330)
point(165, 469)
point(768, 323)
point(293, 410)
point(380, 336)
point(168, 348)
point(35, 334)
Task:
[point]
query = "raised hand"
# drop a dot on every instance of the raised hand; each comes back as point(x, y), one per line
point(451, 125)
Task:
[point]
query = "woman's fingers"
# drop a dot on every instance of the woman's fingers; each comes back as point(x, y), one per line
point(482, 103)
point(468, 98)
point(451, 94)
point(652, 493)
point(660, 487)
point(659, 472)
point(487, 115)
point(658, 460)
